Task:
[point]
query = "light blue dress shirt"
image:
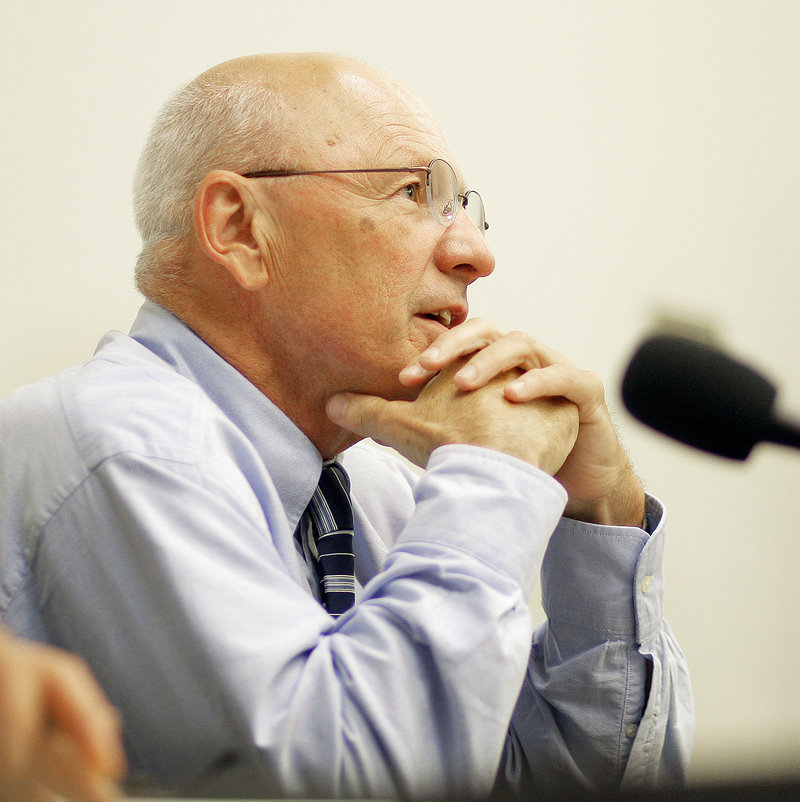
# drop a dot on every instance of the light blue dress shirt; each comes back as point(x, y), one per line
point(148, 505)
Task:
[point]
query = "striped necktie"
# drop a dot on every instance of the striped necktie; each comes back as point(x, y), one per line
point(332, 526)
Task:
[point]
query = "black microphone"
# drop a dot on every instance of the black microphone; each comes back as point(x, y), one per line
point(695, 393)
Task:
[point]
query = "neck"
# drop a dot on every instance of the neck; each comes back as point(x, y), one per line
point(302, 402)
point(296, 392)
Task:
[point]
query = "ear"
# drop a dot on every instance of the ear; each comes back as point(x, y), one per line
point(224, 211)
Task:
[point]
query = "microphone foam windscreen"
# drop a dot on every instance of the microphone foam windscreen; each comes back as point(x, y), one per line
point(699, 395)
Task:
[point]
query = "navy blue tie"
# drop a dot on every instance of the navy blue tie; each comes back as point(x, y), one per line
point(332, 527)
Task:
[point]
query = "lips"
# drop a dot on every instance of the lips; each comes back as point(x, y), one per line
point(449, 317)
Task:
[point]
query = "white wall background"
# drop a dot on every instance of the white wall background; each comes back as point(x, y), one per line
point(635, 157)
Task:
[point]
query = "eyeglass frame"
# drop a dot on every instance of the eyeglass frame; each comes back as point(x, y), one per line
point(461, 198)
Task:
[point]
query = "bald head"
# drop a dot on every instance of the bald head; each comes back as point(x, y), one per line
point(256, 112)
point(326, 99)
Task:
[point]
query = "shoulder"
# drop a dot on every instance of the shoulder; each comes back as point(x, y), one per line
point(123, 399)
point(127, 399)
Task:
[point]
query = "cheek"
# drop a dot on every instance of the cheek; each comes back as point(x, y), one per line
point(367, 225)
point(388, 260)
point(379, 275)
point(363, 274)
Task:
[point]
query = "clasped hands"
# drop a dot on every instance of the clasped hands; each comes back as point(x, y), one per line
point(510, 393)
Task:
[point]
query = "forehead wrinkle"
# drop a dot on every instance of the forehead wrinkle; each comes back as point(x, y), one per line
point(412, 144)
point(394, 153)
point(355, 117)
point(376, 112)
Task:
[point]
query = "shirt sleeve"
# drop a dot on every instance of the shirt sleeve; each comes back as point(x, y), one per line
point(163, 573)
point(606, 699)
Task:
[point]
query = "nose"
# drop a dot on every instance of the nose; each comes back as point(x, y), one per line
point(462, 250)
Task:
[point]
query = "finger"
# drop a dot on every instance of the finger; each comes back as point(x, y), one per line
point(21, 708)
point(472, 335)
point(79, 708)
point(361, 414)
point(386, 422)
point(62, 768)
point(20, 727)
point(49, 696)
point(582, 387)
point(513, 350)
point(28, 790)
point(414, 374)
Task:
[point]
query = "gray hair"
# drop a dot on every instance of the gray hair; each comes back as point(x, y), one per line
point(205, 126)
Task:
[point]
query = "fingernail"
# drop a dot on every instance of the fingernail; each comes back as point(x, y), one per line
point(432, 353)
point(468, 373)
point(516, 387)
point(412, 372)
point(337, 407)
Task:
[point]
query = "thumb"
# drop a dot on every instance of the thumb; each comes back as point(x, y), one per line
point(387, 422)
point(364, 415)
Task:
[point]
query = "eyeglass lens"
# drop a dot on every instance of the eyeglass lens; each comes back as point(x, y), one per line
point(443, 196)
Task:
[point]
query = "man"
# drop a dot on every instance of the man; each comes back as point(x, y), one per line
point(58, 732)
point(307, 250)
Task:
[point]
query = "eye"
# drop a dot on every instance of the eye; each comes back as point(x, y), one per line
point(412, 191)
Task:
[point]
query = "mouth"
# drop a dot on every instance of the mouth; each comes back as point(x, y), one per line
point(449, 317)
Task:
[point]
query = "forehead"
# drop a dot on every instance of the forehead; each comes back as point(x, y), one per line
point(371, 121)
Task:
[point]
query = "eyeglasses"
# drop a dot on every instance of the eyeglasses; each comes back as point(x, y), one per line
point(441, 189)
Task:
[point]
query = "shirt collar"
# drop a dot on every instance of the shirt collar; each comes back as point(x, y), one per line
point(290, 457)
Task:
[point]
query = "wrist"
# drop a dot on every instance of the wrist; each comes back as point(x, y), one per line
point(624, 506)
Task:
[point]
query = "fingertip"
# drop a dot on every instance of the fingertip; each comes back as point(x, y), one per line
point(117, 764)
point(430, 357)
point(103, 746)
point(515, 391)
point(412, 374)
point(336, 408)
point(468, 378)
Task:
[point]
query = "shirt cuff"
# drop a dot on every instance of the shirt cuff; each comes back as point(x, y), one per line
point(494, 506)
point(607, 579)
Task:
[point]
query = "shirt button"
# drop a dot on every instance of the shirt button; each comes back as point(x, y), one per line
point(631, 730)
point(646, 583)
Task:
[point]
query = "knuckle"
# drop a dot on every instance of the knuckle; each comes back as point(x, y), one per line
point(480, 323)
point(74, 666)
point(382, 414)
point(554, 379)
point(517, 334)
point(568, 417)
point(365, 413)
point(485, 328)
point(592, 382)
point(528, 348)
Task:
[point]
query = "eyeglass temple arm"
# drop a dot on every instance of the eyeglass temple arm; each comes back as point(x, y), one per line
point(282, 173)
